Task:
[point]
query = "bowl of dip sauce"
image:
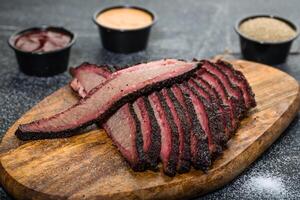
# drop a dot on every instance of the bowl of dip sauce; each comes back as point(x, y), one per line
point(42, 51)
point(124, 29)
point(266, 38)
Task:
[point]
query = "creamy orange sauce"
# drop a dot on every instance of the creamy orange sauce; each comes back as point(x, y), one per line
point(124, 18)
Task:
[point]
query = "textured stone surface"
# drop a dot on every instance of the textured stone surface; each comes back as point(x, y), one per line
point(185, 29)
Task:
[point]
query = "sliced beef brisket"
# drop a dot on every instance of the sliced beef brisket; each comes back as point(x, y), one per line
point(223, 109)
point(200, 149)
point(98, 74)
point(232, 90)
point(177, 112)
point(215, 82)
point(214, 115)
point(238, 79)
point(150, 130)
point(169, 133)
point(143, 111)
point(205, 114)
point(125, 126)
point(183, 128)
point(118, 90)
point(180, 99)
point(125, 130)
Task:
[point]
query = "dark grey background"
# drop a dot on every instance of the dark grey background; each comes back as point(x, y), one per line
point(185, 29)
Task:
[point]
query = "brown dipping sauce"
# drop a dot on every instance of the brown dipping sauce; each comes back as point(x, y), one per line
point(42, 41)
point(125, 18)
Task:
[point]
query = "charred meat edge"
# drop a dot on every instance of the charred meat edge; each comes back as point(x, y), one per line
point(183, 164)
point(224, 109)
point(232, 103)
point(76, 84)
point(167, 126)
point(152, 151)
point(239, 78)
point(180, 98)
point(136, 159)
point(215, 117)
point(231, 88)
point(201, 156)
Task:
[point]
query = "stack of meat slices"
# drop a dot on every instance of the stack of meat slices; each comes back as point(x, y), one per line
point(185, 119)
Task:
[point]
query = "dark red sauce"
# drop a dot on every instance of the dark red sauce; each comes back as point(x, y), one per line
point(42, 41)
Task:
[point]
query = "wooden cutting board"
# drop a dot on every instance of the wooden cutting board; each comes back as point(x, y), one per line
point(88, 166)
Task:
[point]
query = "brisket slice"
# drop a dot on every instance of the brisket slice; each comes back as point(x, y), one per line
point(238, 79)
point(106, 98)
point(150, 130)
point(125, 131)
point(169, 133)
point(97, 74)
point(215, 119)
point(225, 110)
point(205, 114)
point(144, 114)
point(178, 94)
point(215, 82)
point(200, 151)
point(183, 127)
point(232, 90)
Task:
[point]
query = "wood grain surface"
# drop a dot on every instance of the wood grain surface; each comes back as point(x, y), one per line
point(88, 166)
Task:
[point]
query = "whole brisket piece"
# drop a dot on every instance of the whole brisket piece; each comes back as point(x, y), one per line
point(121, 87)
point(237, 78)
point(169, 133)
point(89, 77)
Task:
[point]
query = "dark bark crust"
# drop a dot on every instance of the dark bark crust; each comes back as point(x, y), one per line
point(233, 101)
point(239, 76)
point(226, 110)
point(153, 153)
point(183, 164)
point(241, 101)
point(213, 123)
point(173, 159)
point(201, 159)
point(219, 134)
point(140, 165)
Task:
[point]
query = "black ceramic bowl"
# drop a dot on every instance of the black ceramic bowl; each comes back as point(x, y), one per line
point(265, 52)
point(43, 64)
point(124, 41)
